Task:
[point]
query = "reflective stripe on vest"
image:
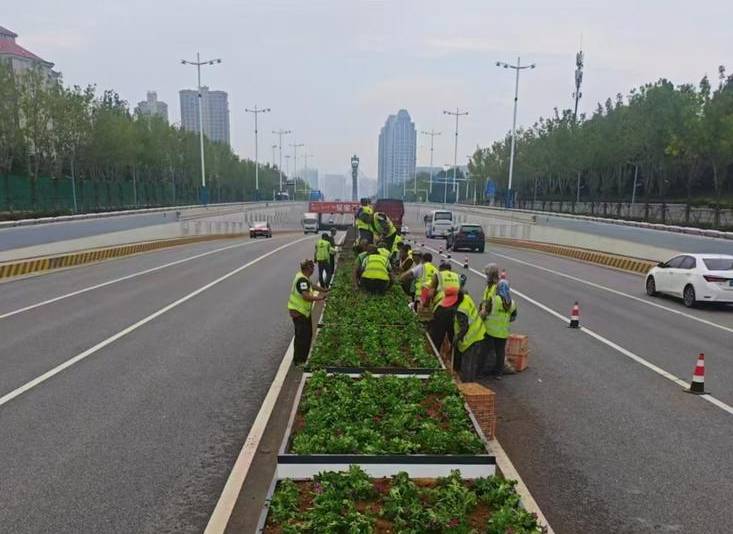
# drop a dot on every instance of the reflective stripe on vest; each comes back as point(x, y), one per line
point(296, 301)
point(375, 267)
point(323, 250)
point(476, 330)
point(497, 322)
point(446, 279)
point(384, 252)
point(428, 270)
point(397, 240)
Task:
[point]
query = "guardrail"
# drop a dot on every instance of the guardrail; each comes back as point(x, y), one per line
point(691, 230)
point(121, 213)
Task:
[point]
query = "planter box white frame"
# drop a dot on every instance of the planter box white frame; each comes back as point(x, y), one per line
point(305, 466)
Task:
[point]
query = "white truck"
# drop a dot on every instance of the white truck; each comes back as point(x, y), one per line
point(438, 223)
point(310, 223)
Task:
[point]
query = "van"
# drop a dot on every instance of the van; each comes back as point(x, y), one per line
point(310, 223)
point(438, 223)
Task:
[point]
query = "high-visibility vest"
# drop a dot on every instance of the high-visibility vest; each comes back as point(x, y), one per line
point(296, 301)
point(497, 322)
point(476, 330)
point(364, 210)
point(323, 250)
point(376, 267)
point(446, 280)
point(428, 270)
point(489, 292)
point(384, 252)
point(397, 240)
point(387, 230)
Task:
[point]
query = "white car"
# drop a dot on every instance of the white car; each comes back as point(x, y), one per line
point(694, 277)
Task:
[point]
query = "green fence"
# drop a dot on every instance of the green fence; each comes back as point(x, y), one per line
point(57, 195)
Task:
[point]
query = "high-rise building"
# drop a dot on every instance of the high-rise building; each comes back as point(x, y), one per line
point(310, 175)
point(397, 152)
point(152, 107)
point(215, 110)
point(19, 58)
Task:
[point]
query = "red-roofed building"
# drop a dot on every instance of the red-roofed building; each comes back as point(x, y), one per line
point(21, 59)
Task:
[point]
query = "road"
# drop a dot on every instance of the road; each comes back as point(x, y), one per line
point(140, 432)
point(25, 236)
point(604, 442)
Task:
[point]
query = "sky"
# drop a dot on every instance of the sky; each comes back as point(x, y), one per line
point(333, 70)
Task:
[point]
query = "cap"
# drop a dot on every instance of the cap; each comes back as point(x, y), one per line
point(450, 297)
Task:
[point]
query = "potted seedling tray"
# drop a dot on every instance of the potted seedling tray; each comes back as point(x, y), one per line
point(385, 425)
point(354, 501)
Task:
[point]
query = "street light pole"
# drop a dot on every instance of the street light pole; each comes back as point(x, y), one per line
point(432, 134)
point(518, 67)
point(457, 113)
point(305, 157)
point(295, 167)
point(274, 147)
point(256, 111)
point(280, 134)
point(198, 63)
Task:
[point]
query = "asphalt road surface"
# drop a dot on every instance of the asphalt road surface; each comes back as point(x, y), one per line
point(138, 434)
point(604, 442)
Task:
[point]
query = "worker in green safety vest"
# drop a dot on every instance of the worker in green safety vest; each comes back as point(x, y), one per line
point(396, 246)
point(302, 296)
point(468, 336)
point(322, 257)
point(376, 272)
point(497, 313)
point(363, 220)
point(409, 279)
point(361, 253)
point(444, 289)
point(383, 229)
point(424, 274)
point(383, 249)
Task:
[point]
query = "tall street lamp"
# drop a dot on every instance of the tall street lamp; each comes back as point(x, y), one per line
point(518, 67)
point(432, 134)
point(198, 63)
point(457, 113)
point(305, 158)
point(354, 177)
point(280, 134)
point(256, 111)
point(274, 147)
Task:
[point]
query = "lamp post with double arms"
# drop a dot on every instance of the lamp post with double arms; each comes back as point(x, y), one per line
point(256, 111)
point(198, 64)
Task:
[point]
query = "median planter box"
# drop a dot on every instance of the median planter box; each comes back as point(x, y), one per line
point(383, 424)
point(354, 501)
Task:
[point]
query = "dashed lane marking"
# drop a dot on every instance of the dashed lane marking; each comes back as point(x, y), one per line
point(121, 279)
point(635, 357)
point(122, 333)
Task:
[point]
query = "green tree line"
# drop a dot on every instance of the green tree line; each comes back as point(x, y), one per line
point(118, 158)
point(677, 141)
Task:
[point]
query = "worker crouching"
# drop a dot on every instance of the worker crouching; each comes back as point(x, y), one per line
point(468, 338)
point(375, 272)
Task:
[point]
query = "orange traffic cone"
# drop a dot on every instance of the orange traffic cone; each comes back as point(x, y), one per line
point(465, 262)
point(698, 377)
point(575, 316)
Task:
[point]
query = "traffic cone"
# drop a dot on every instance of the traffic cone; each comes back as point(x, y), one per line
point(698, 377)
point(465, 262)
point(575, 316)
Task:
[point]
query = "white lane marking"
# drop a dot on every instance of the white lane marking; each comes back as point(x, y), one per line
point(229, 495)
point(122, 333)
point(635, 357)
point(615, 292)
point(121, 279)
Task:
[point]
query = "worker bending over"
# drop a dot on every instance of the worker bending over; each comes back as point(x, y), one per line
point(384, 229)
point(376, 272)
point(300, 304)
point(443, 291)
point(468, 335)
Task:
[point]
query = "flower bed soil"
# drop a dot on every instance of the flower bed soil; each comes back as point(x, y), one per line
point(353, 502)
point(370, 346)
point(385, 415)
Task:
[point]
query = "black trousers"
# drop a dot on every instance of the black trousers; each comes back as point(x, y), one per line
point(303, 336)
point(441, 325)
point(374, 286)
point(470, 364)
point(366, 235)
point(324, 272)
point(497, 349)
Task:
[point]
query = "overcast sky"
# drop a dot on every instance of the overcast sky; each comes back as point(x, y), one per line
point(332, 70)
